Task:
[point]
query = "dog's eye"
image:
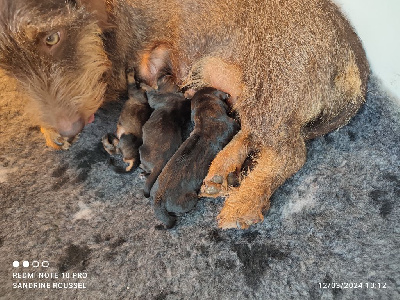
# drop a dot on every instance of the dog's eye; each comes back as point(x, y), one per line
point(53, 39)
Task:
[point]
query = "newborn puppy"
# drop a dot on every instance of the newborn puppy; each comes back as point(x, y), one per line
point(127, 145)
point(178, 184)
point(128, 137)
point(162, 133)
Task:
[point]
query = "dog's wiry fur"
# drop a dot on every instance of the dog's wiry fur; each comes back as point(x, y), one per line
point(295, 70)
point(65, 82)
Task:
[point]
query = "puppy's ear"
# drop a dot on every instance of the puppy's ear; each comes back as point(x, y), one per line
point(100, 8)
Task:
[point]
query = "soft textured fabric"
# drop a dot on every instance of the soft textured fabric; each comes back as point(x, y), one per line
point(335, 221)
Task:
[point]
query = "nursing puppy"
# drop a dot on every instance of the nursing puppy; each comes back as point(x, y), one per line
point(128, 138)
point(213, 129)
point(295, 70)
point(162, 133)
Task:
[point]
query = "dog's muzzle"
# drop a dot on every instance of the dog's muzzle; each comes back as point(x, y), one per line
point(72, 129)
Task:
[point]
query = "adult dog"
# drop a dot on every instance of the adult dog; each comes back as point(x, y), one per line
point(295, 69)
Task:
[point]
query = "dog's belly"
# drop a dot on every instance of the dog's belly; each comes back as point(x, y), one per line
point(281, 64)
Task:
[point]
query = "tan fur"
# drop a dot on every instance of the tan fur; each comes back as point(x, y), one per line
point(225, 163)
point(212, 71)
point(61, 91)
point(295, 69)
point(245, 205)
point(348, 81)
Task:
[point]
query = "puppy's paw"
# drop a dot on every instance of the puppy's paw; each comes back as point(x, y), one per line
point(131, 164)
point(146, 87)
point(110, 143)
point(55, 140)
point(128, 145)
point(130, 76)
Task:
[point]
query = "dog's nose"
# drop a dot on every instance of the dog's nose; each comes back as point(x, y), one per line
point(70, 129)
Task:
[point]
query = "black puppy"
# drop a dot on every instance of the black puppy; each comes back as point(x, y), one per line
point(162, 133)
point(176, 188)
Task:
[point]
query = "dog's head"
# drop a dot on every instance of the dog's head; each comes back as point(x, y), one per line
point(55, 50)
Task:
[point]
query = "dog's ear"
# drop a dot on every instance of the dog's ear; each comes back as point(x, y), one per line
point(100, 8)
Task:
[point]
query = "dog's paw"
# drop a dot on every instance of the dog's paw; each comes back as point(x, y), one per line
point(110, 143)
point(238, 217)
point(213, 187)
point(218, 185)
point(55, 140)
point(241, 209)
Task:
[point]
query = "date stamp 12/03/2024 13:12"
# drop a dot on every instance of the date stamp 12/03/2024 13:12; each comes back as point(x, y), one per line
point(352, 285)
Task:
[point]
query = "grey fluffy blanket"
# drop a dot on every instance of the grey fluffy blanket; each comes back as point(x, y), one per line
point(332, 231)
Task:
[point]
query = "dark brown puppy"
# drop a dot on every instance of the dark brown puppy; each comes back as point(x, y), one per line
point(162, 133)
point(128, 138)
point(180, 181)
point(295, 69)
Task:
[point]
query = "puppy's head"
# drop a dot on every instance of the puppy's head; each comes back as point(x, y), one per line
point(166, 84)
point(55, 51)
point(209, 102)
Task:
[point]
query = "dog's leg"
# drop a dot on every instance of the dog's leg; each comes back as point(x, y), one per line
point(228, 160)
point(55, 140)
point(244, 205)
